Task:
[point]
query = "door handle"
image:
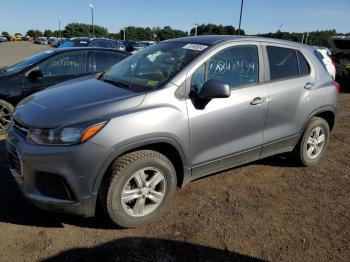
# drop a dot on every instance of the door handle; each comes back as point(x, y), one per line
point(257, 101)
point(308, 85)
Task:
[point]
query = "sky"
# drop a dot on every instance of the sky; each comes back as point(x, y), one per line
point(259, 16)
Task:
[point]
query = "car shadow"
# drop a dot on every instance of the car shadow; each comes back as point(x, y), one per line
point(283, 160)
point(149, 249)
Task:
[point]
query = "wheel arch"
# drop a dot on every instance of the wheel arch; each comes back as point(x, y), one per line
point(327, 113)
point(166, 146)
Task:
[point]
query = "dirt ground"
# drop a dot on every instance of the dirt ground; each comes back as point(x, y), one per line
point(269, 210)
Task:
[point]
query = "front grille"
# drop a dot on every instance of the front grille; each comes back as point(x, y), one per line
point(15, 162)
point(20, 129)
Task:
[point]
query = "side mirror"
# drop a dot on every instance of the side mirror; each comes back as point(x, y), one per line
point(35, 75)
point(214, 89)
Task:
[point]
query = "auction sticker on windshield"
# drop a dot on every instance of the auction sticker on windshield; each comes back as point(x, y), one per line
point(196, 47)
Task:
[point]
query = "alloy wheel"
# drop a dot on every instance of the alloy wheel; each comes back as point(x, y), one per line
point(144, 192)
point(315, 143)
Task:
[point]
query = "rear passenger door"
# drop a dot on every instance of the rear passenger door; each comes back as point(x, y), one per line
point(289, 82)
point(102, 60)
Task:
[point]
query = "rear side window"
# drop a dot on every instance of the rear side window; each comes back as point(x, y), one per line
point(283, 62)
point(304, 66)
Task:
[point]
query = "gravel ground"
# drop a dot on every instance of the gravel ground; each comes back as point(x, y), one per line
point(269, 210)
point(13, 52)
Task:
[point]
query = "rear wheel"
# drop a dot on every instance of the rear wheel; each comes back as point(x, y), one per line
point(313, 143)
point(6, 110)
point(139, 188)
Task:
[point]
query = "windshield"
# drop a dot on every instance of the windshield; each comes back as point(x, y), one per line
point(26, 62)
point(155, 65)
point(75, 43)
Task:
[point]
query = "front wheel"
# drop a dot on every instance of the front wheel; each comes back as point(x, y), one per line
point(139, 188)
point(6, 110)
point(313, 143)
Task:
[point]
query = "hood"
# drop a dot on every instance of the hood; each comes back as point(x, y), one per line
point(75, 102)
point(339, 44)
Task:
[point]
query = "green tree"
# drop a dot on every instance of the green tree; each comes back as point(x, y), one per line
point(212, 29)
point(48, 33)
point(34, 33)
point(5, 33)
point(80, 29)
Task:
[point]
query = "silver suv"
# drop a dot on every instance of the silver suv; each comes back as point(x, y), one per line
point(172, 113)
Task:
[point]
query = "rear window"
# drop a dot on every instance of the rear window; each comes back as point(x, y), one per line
point(342, 44)
point(283, 62)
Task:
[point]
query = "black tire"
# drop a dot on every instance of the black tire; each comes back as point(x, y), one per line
point(6, 109)
point(120, 173)
point(300, 151)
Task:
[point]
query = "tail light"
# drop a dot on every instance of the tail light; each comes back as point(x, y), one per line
point(336, 85)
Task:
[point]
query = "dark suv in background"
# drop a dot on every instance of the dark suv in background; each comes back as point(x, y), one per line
point(49, 68)
point(341, 56)
point(89, 42)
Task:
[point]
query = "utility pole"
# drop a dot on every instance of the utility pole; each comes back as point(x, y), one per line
point(240, 18)
point(124, 32)
point(196, 30)
point(92, 20)
point(59, 27)
point(307, 37)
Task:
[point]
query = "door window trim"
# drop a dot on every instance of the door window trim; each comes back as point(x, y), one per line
point(64, 53)
point(218, 49)
point(267, 65)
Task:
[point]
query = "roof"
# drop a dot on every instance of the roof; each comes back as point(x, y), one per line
point(67, 49)
point(215, 39)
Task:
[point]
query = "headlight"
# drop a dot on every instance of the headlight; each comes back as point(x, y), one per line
point(67, 135)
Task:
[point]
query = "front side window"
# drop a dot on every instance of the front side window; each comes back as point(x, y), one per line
point(153, 66)
point(283, 62)
point(65, 64)
point(235, 66)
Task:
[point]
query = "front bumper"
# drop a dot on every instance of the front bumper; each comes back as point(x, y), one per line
point(57, 178)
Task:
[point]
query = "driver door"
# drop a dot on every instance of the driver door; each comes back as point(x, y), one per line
point(58, 69)
point(228, 131)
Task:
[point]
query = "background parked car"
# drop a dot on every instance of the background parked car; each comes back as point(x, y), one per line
point(16, 37)
point(50, 40)
point(49, 68)
point(89, 42)
point(57, 42)
point(341, 56)
point(3, 39)
point(323, 54)
point(41, 41)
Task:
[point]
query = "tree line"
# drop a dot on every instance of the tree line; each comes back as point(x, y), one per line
point(317, 38)
point(167, 32)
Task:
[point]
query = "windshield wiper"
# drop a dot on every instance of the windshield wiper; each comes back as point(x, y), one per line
point(116, 83)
